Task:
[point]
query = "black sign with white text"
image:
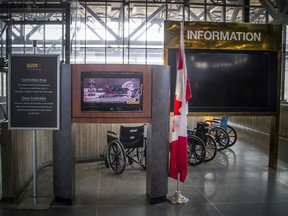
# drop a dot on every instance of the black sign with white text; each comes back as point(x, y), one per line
point(33, 92)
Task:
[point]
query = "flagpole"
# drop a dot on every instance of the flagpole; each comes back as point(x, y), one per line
point(177, 197)
point(179, 135)
point(178, 183)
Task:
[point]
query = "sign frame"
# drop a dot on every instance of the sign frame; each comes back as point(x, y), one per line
point(34, 92)
point(227, 37)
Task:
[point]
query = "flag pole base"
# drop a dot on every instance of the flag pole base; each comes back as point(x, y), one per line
point(177, 198)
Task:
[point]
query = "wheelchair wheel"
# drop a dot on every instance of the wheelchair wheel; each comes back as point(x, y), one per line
point(130, 160)
point(116, 157)
point(211, 149)
point(106, 162)
point(220, 136)
point(104, 154)
point(141, 156)
point(232, 135)
point(196, 150)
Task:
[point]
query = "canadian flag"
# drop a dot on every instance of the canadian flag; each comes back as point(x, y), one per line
point(178, 151)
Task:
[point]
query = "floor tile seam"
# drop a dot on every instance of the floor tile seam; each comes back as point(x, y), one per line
point(74, 206)
point(252, 168)
point(159, 205)
point(98, 191)
point(130, 205)
point(204, 173)
point(277, 179)
point(256, 202)
point(281, 181)
point(205, 197)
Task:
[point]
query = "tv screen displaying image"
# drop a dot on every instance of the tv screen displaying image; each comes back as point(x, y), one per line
point(229, 80)
point(111, 91)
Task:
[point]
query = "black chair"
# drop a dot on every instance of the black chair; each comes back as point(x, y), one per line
point(129, 146)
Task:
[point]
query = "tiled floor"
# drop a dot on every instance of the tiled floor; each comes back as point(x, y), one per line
point(237, 182)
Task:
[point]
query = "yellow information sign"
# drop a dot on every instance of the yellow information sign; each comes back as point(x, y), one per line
point(224, 36)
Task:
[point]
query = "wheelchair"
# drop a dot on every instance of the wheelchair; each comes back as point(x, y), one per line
point(127, 146)
point(223, 123)
point(196, 151)
point(201, 131)
point(219, 134)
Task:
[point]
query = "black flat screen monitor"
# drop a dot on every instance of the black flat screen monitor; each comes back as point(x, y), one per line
point(229, 81)
point(111, 91)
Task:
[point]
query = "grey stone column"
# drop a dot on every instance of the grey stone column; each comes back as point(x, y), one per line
point(8, 172)
point(63, 145)
point(158, 137)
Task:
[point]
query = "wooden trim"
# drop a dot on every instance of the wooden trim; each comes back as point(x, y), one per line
point(108, 117)
point(112, 120)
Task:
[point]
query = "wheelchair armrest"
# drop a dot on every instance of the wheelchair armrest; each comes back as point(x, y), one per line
point(111, 135)
point(191, 131)
point(216, 119)
point(211, 121)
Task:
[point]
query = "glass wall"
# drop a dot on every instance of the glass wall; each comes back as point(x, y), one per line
point(132, 32)
point(119, 32)
point(28, 28)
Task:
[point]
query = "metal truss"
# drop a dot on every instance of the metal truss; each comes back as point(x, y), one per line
point(129, 29)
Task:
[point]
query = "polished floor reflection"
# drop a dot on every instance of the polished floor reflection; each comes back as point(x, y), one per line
point(237, 182)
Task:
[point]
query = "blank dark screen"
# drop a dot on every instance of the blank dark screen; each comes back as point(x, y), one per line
point(228, 80)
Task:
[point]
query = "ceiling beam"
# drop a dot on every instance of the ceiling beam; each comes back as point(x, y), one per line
point(101, 22)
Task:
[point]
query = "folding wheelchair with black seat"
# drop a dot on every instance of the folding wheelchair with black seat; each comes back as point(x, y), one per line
point(196, 149)
point(127, 146)
point(202, 131)
point(223, 123)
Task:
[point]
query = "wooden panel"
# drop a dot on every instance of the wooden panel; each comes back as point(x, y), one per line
point(263, 123)
point(109, 117)
point(16, 158)
point(260, 123)
point(283, 131)
point(91, 139)
point(127, 119)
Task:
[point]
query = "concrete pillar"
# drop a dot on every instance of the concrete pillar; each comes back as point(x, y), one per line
point(158, 137)
point(63, 149)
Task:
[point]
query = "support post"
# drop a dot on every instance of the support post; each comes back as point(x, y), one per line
point(34, 167)
point(34, 202)
point(274, 139)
